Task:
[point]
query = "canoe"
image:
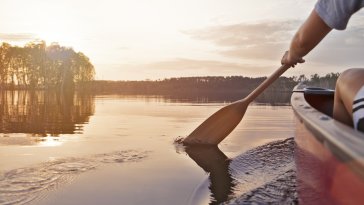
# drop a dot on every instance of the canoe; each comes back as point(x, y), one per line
point(328, 154)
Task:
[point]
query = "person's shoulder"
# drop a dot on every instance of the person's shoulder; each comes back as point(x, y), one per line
point(336, 13)
point(342, 5)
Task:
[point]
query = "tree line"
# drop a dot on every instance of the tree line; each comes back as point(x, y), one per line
point(230, 84)
point(209, 88)
point(38, 66)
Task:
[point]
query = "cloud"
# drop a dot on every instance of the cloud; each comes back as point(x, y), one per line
point(195, 65)
point(181, 67)
point(16, 37)
point(246, 35)
point(268, 40)
point(341, 48)
point(263, 40)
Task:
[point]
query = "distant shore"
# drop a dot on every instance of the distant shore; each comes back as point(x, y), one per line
point(209, 88)
point(207, 84)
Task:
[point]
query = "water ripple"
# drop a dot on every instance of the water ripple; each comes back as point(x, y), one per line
point(265, 175)
point(23, 185)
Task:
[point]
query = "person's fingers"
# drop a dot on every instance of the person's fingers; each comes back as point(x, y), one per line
point(287, 60)
point(284, 58)
point(301, 60)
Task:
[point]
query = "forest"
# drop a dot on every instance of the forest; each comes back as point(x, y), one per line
point(209, 84)
point(211, 88)
point(38, 66)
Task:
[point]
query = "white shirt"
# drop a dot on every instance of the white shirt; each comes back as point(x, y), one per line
point(336, 13)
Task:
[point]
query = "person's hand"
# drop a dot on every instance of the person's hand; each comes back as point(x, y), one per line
point(291, 60)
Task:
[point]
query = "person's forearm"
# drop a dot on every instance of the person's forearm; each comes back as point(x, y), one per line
point(308, 36)
point(300, 45)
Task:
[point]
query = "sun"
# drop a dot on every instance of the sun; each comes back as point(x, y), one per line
point(61, 37)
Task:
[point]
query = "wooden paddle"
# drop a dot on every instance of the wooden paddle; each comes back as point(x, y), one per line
point(221, 123)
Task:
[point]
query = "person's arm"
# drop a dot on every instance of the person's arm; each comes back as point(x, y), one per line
point(306, 38)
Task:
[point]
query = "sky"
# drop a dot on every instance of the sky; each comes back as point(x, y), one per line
point(157, 39)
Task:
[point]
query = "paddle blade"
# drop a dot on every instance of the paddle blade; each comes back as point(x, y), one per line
point(218, 126)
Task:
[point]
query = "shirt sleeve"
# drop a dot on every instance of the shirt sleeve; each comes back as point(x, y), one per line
point(336, 13)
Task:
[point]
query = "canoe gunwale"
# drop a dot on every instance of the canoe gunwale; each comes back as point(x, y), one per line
point(346, 144)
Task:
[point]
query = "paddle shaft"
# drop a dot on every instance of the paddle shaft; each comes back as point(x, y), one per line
point(267, 82)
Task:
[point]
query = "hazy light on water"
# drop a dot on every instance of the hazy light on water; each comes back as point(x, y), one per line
point(49, 142)
point(117, 123)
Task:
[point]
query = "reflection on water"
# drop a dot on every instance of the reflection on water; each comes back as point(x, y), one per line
point(212, 160)
point(40, 113)
point(75, 130)
point(263, 175)
point(267, 98)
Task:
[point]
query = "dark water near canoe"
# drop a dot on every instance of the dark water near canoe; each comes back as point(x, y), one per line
point(114, 149)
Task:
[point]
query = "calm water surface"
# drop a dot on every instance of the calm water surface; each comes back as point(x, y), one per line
point(58, 149)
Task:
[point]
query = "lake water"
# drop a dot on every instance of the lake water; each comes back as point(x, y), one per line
point(114, 149)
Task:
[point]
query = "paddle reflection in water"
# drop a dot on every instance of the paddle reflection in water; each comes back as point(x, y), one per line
point(212, 160)
point(263, 175)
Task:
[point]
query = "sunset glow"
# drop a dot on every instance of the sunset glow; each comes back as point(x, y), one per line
point(128, 40)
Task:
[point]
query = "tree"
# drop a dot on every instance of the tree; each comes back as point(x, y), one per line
point(4, 63)
point(37, 65)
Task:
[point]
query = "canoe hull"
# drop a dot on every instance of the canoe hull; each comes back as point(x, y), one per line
point(326, 173)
